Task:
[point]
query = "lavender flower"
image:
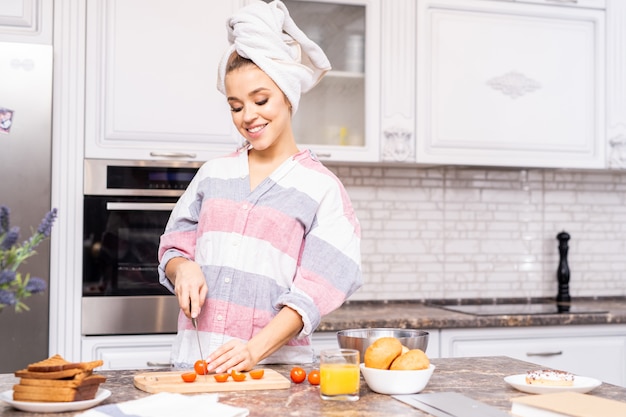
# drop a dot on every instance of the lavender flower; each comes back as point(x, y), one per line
point(13, 286)
point(10, 238)
point(35, 285)
point(7, 298)
point(4, 219)
point(46, 224)
point(7, 276)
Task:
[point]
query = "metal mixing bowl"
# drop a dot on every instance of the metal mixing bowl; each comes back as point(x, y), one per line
point(360, 339)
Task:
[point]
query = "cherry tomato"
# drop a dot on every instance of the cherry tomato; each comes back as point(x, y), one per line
point(189, 376)
point(257, 373)
point(237, 376)
point(298, 375)
point(200, 367)
point(314, 377)
point(221, 377)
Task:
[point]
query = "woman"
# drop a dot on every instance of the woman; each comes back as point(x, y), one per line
point(264, 241)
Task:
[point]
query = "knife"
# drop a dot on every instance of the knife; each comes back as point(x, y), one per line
point(450, 404)
point(194, 322)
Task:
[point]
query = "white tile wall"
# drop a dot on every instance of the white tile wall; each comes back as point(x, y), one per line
point(470, 232)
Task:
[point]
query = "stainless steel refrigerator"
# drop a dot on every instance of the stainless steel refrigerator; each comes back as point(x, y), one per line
point(25, 172)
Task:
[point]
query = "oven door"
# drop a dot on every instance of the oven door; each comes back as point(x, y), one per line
point(121, 289)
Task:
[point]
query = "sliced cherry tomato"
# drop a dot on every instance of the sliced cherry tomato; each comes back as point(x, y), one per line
point(200, 367)
point(237, 376)
point(189, 376)
point(298, 375)
point(257, 373)
point(221, 377)
point(314, 377)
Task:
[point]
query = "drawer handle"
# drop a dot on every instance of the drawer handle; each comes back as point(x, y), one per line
point(173, 154)
point(562, 1)
point(159, 364)
point(557, 353)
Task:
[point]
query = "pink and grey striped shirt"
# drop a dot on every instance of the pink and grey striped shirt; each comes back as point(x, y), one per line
point(292, 241)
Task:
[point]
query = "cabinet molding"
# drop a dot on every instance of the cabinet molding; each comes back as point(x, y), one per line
point(398, 84)
point(616, 83)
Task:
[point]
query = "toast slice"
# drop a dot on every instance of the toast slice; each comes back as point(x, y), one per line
point(67, 373)
point(41, 394)
point(63, 383)
point(52, 364)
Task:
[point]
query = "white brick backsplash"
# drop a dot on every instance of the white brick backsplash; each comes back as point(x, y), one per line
point(431, 233)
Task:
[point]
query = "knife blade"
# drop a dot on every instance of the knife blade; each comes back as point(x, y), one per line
point(194, 322)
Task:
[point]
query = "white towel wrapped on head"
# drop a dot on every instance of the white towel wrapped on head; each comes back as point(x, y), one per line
point(266, 34)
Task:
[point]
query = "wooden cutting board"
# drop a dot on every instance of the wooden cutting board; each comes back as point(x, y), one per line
point(154, 382)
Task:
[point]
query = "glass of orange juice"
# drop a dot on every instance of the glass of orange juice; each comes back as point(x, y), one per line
point(339, 374)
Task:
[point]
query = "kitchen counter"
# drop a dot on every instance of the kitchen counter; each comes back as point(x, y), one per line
point(430, 314)
point(477, 378)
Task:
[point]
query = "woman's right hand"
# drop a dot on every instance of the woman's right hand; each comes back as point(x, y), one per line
point(189, 285)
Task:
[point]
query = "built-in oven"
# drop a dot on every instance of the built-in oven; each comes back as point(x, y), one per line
point(126, 207)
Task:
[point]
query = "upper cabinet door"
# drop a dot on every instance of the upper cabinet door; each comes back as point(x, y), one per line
point(151, 79)
point(26, 21)
point(339, 118)
point(510, 84)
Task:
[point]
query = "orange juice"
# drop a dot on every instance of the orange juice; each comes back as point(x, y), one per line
point(339, 379)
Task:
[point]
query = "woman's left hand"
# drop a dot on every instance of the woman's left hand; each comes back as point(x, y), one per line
point(232, 355)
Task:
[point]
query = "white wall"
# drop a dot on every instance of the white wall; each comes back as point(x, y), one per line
point(472, 232)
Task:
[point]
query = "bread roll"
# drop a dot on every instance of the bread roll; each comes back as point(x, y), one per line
point(382, 352)
point(414, 359)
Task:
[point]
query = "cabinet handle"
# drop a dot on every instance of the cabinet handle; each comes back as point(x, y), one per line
point(557, 353)
point(323, 154)
point(159, 364)
point(173, 154)
point(562, 1)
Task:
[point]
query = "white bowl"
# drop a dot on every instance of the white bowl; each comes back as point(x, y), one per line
point(384, 381)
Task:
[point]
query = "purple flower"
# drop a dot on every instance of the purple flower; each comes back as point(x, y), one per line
point(7, 276)
point(7, 298)
point(46, 224)
point(36, 285)
point(4, 219)
point(10, 239)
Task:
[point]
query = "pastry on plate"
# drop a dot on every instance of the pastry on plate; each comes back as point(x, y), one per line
point(550, 377)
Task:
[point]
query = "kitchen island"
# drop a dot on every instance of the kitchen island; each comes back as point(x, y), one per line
point(478, 378)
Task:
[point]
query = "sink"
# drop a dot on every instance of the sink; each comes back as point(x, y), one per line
point(523, 309)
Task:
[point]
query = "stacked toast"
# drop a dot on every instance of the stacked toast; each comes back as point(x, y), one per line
point(57, 380)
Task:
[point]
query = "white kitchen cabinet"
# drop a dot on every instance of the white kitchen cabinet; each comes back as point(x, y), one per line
point(339, 118)
point(597, 351)
point(129, 352)
point(151, 74)
point(151, 80)
point(28, 21)
point(511, 83)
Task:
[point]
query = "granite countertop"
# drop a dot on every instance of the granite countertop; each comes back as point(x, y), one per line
point(478, 378)
point(430, 314)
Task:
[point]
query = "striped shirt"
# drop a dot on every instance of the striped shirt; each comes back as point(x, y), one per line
point(292, 241)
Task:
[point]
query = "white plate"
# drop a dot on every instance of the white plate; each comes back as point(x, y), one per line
point(581, 384)
point(41, 407)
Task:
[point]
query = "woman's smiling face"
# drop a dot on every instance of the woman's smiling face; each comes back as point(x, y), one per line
point(259, 109)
